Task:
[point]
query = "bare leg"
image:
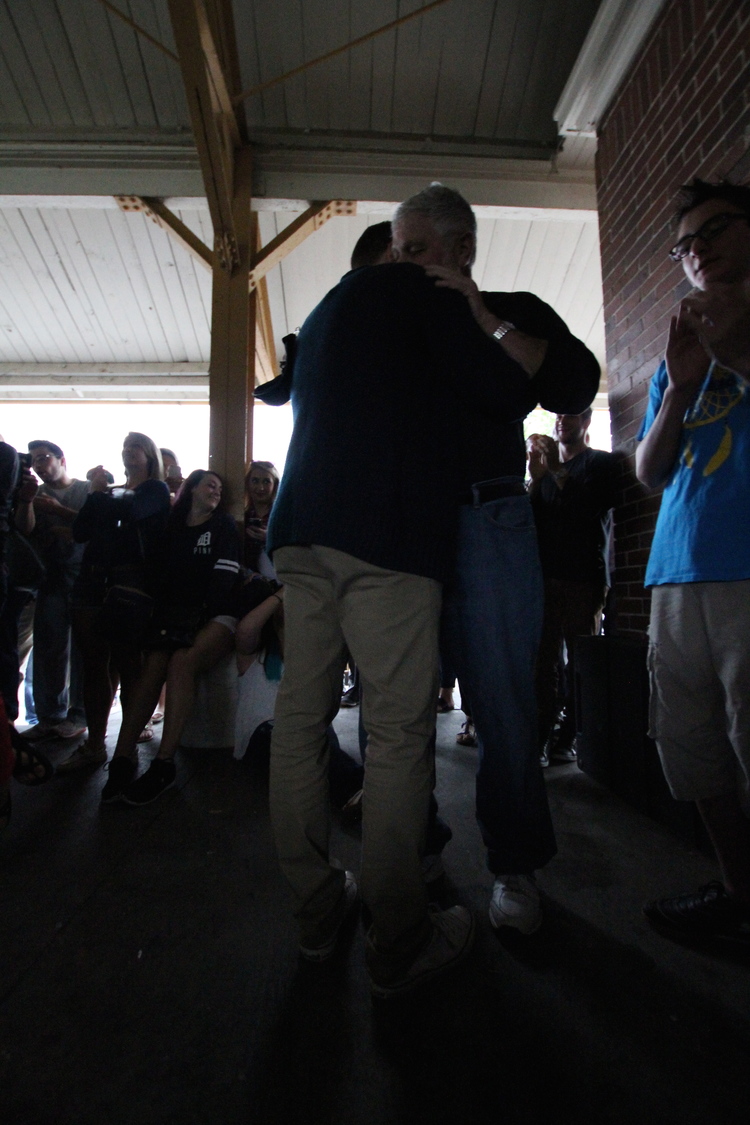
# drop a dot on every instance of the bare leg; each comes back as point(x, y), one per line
point(213, 642)
point(139, 703)
point(729, 830)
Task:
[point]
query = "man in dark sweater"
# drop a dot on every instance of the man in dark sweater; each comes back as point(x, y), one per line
point(362, 534)
point(494, 604)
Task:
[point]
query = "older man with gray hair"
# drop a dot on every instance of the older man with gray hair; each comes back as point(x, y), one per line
point(494, 606)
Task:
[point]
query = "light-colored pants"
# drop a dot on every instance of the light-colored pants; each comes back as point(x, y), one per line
point(335, 604)
point(699, 663)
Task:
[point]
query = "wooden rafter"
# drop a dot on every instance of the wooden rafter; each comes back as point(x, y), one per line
point(253, 90)
point(266, 366)
point(215, 127)
point(155, 210)
point(138, 29)
point(310, 220)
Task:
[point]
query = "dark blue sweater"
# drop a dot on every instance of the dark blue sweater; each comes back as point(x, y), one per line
point(380, 365)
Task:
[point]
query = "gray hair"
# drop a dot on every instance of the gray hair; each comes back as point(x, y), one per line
point(446, 209)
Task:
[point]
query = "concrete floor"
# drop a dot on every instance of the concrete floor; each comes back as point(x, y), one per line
point(150, 974)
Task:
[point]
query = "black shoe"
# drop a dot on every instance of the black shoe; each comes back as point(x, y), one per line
point(559, 747)
point(709, 913)
point(121, 773)
point(350, 698)
point(563, 753)
point(159, 776)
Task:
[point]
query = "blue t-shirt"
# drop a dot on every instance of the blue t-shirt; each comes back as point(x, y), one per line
point(703, 530)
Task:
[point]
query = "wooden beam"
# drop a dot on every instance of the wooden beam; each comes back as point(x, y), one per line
point(269, 364)
point(336, 51)
point(219, 84)
point(233, 347)
point(139, 30)
point(311, 220)
point(216, 135)
point(155, 210)
point(264, 370)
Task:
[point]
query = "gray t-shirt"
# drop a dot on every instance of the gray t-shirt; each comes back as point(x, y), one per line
point(52, 536)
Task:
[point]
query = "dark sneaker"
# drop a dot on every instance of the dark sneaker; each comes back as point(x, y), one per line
point(563, 752)
point(121, 773)
point(709, 913)
point(349, 898)
point(515, 904)
point(159, 776)
point(451, 939)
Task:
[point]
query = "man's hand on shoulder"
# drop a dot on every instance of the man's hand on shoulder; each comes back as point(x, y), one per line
point(527, 351)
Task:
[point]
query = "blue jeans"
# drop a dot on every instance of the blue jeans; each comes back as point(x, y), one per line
point(494, 608)
point(57, 667)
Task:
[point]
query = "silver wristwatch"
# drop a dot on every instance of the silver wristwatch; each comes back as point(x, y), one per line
point(503, 329)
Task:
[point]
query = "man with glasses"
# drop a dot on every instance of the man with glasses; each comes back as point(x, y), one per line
point(695, 442)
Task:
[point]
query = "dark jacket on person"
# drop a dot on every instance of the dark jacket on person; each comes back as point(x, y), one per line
point(574, 523)
point(122, 533)
point(382, 365)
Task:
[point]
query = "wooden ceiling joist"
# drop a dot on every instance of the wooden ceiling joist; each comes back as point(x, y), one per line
point(259, 89)
point(215, 128)
point(309, 221)
point(155, 210)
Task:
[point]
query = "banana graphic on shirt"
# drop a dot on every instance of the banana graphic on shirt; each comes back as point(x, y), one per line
point(717, 400)
point(721, 454)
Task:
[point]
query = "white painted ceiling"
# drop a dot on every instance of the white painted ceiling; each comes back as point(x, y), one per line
point(84, 283)
point(464, 94)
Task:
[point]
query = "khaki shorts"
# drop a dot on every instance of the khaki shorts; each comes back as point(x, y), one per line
point(699, 663)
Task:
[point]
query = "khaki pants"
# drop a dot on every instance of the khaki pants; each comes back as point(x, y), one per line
point(388, 622)
point(699, 661)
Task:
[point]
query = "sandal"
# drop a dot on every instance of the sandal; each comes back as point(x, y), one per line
point(157, 717)
point(146, 734)
point(32, 767)
point(467, 736)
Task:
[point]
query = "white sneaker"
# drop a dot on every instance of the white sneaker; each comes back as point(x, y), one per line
point(69, 729)
point(85, 755)
point(45, 728)
point(349, 899)
point(451, 939)
point(515, 903)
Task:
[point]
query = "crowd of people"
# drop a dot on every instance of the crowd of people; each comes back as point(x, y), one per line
point(405, 542)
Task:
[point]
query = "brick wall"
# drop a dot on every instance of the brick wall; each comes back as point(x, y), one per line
point(684, 110)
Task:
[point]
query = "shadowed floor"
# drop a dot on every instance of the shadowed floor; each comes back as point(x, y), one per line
point(150, 974)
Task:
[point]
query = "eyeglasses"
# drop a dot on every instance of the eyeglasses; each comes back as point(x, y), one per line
point(710, 230)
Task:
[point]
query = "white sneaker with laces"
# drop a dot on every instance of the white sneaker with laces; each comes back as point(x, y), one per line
point(349, 899)
point(69, 729)
point(515, 904)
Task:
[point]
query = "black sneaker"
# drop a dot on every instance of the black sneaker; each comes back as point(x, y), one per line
point(709, 913)
point(121, 772)
point(159, 776)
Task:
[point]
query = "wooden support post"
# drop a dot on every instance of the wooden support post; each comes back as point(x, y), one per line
point(233, 326)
